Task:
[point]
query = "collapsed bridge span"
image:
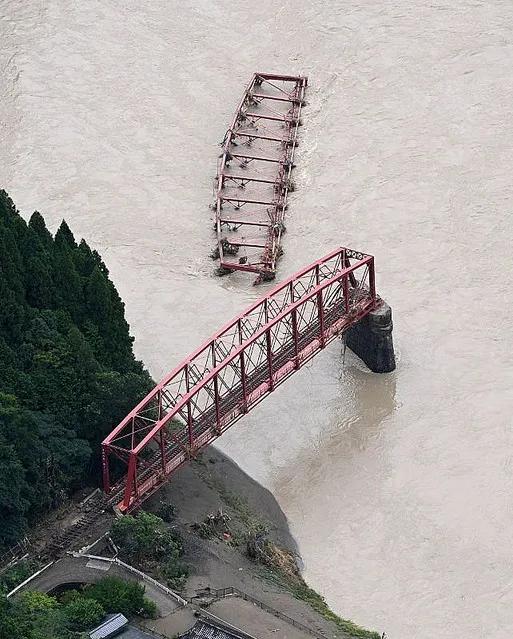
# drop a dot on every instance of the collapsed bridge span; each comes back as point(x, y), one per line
point(254, 174)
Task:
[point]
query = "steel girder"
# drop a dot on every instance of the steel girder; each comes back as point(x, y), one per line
point(261, 139)
point(235, 369)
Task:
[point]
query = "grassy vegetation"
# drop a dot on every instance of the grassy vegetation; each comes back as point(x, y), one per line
point(300, 590)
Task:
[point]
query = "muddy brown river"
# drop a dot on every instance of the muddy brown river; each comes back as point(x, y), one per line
point(398, 488)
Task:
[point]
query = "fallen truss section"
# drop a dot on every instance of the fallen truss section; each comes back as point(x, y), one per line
point(236, 369)
point(254, 174)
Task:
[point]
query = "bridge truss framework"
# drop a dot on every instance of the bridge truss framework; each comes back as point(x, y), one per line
point(236, 369)
point(251, 196)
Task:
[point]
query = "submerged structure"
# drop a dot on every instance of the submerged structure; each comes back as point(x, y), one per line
point(254, 174)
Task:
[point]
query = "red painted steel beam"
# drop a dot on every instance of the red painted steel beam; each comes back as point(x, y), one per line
point(258, 158)
point(244, 222)
point(324, 276)
point(247, 268)
point(284, 78)
point(248, 178)
point(274, 118)
point(249, 243)
point(242, 200)
point(263, 96)
point(256, 136)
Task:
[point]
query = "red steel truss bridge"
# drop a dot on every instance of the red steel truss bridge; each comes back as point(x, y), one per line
point(235, 370)
point(254, 174)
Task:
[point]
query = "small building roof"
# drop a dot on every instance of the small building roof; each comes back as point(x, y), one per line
point(109, 627)
point(204, 629)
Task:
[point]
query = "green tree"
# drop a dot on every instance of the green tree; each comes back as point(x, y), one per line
point(98, 299)
point(146, 540)
point(36, 249)
point(64, 238)
point(85, 260)
point(145, 536)
point(14, 623)
point(116, 595)
point(68, 287)
point(13, 576)
point(84, 613)
point(38, 601)
point(38, 226)
point(13, 487)
point(67, 370)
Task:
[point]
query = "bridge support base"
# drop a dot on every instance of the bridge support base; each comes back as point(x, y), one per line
point(371, 340)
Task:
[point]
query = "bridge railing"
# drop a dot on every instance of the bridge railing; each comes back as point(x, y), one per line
point(236, 368)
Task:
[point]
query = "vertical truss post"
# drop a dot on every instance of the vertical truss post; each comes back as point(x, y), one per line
point(347, 264)
point(189, 409)
point(131, 481)
point(320, 313)
point(105, 469)
point(296, 338)
point(294, 327)
point(161, 436)
point(216, 391)
point(372, 280)
point(269, 352)
point(132, 422)
point(345, 284)
point(244, 383)
point(269, 358)
point(216, 400)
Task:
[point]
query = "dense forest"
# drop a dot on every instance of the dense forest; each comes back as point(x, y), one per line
point(67, 369)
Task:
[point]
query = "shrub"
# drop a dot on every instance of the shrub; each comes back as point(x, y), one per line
point(175, 574)
point(69, 595)
point(38, 601)
point(145, 536)
point(166, 512)
point(149, 609)
point(83, 613)
point(116, 595)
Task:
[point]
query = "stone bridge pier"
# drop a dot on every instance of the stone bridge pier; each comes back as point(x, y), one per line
point(371, 340)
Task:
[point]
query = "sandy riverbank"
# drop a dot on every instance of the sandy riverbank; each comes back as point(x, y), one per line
point(214, 483)
point(217, 558)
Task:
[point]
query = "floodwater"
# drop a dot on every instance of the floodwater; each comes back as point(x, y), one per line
point(399, 488)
